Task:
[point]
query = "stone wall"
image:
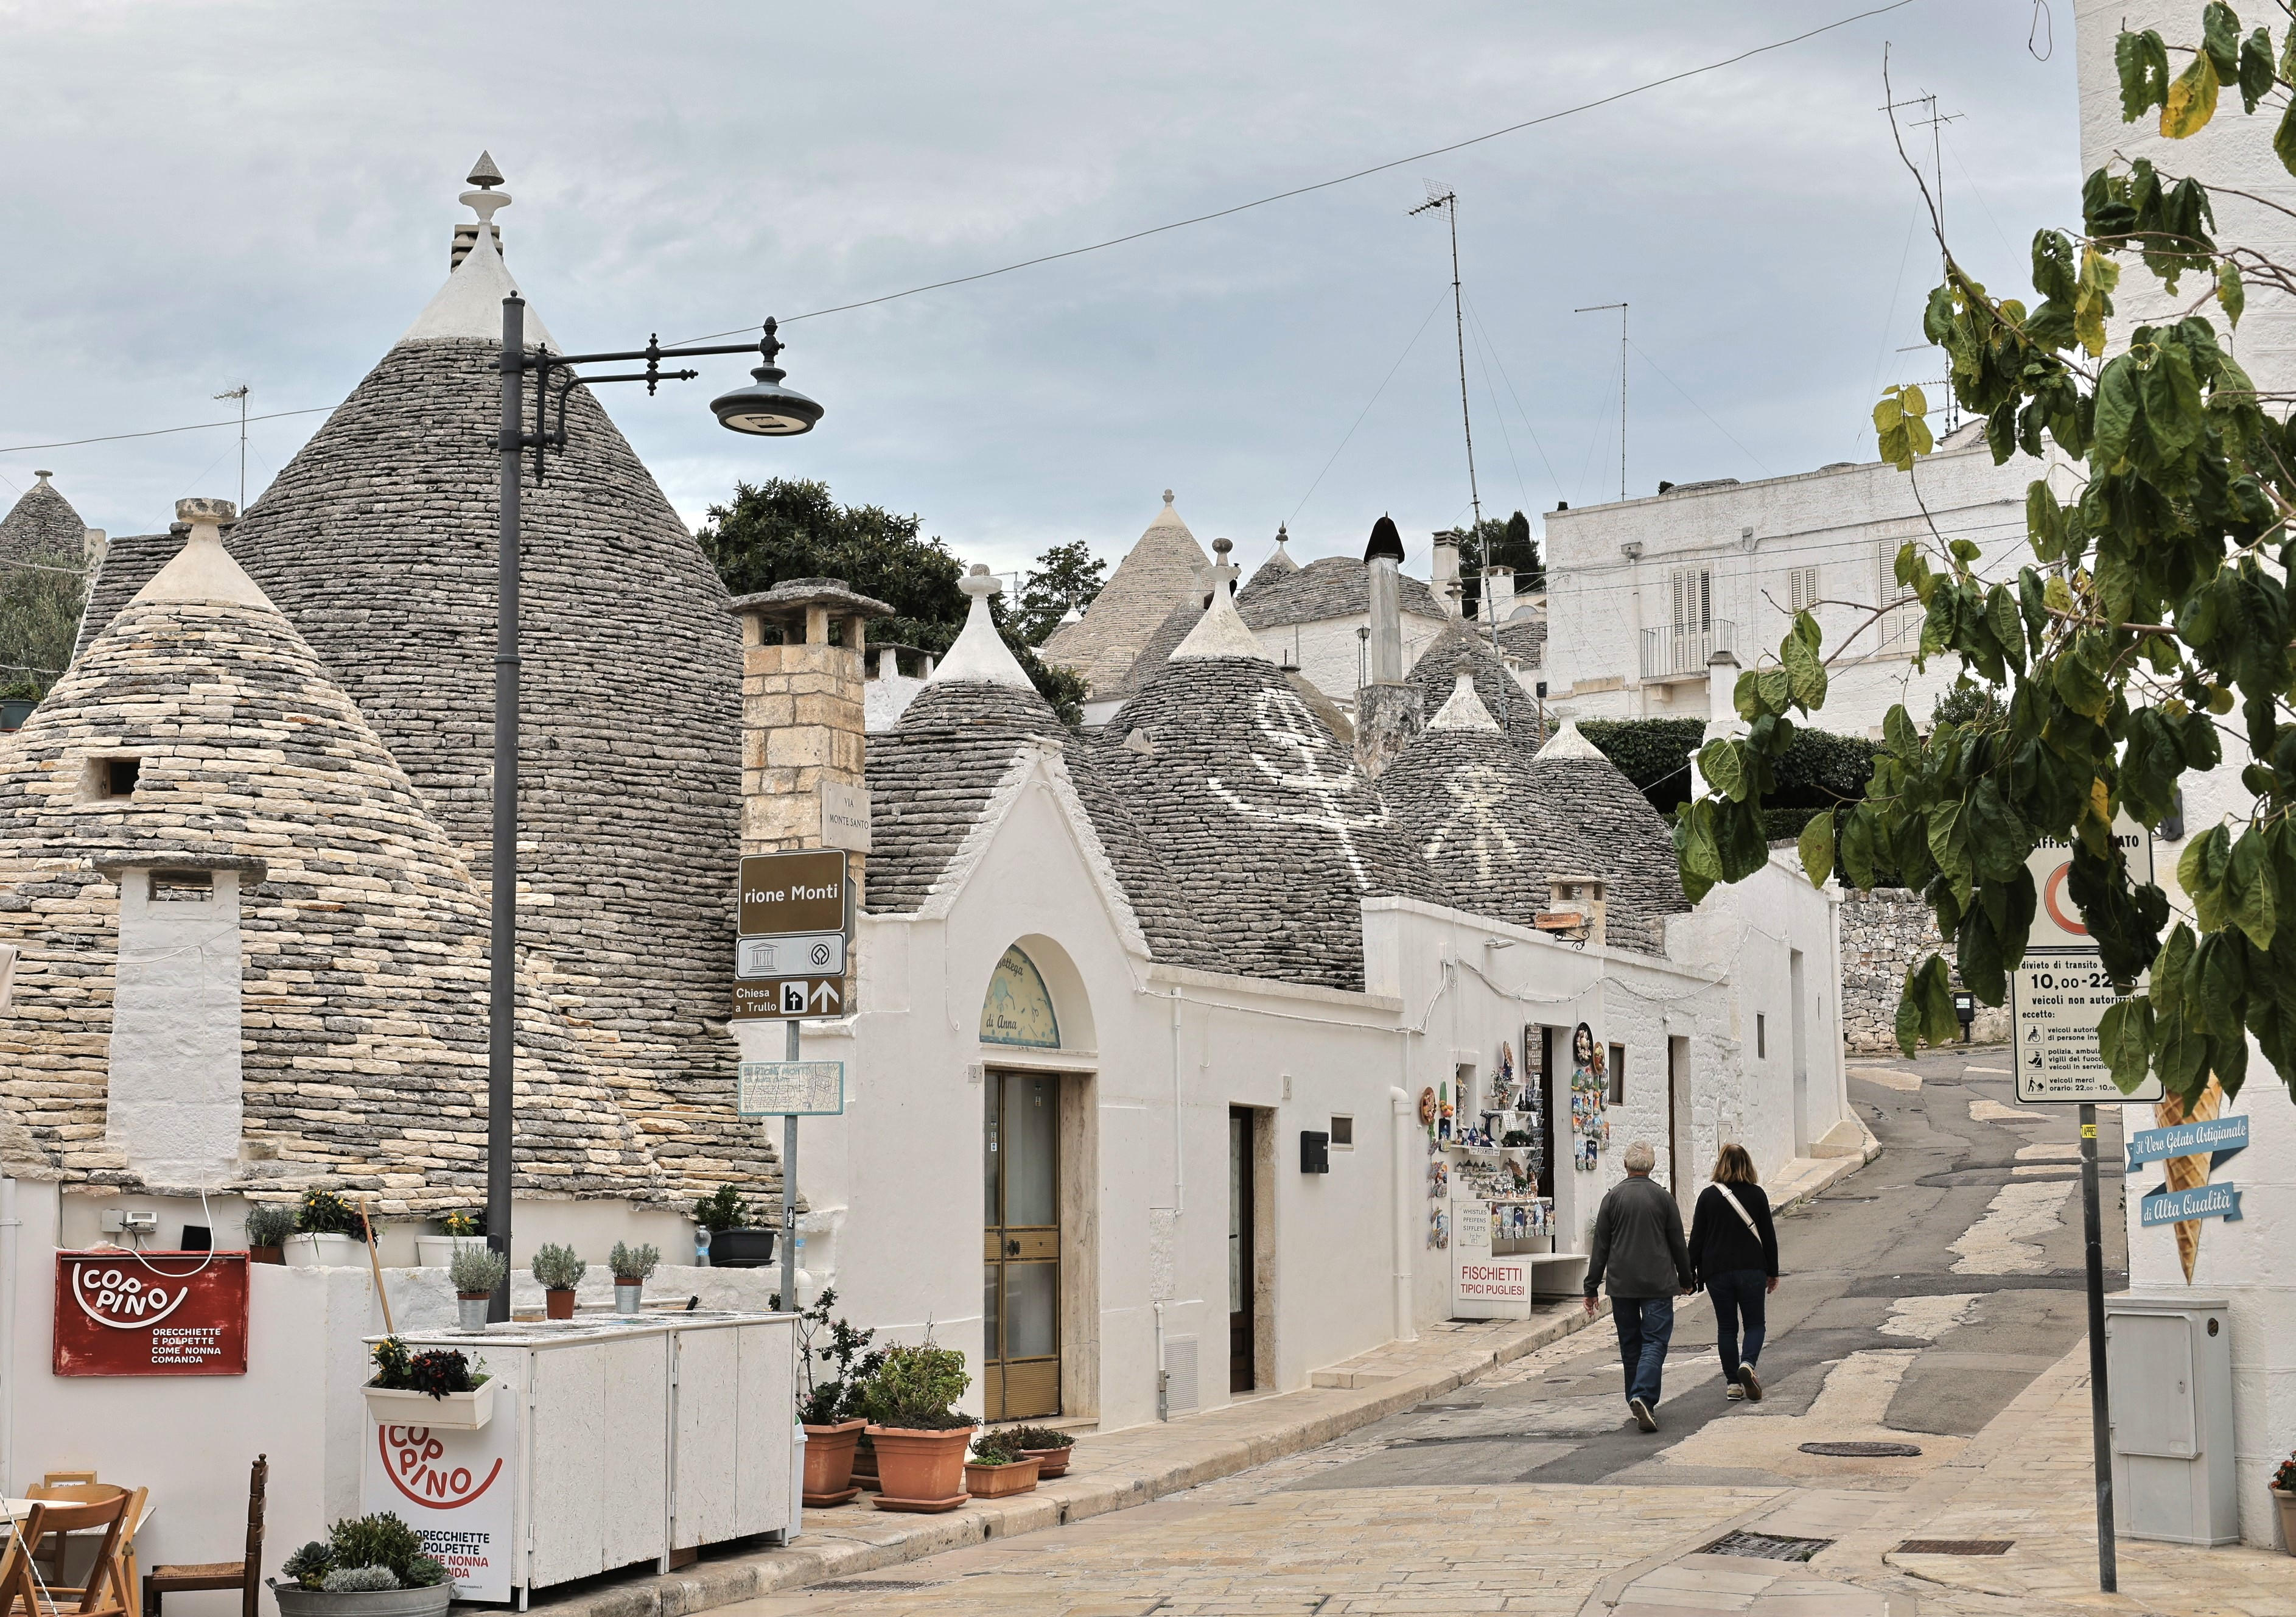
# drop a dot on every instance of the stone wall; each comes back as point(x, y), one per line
point(1883, 933)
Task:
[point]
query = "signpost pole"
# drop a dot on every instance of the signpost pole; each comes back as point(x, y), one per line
point(2100, 1404)
point(789, 1195)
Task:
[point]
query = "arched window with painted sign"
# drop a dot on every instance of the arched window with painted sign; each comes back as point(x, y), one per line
point(1018, 1008)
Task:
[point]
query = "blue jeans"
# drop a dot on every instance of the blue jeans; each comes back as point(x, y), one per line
point(1645, 1326)
point(1736, 1292)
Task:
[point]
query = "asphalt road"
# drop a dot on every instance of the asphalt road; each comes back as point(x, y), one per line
point(1918, 1296)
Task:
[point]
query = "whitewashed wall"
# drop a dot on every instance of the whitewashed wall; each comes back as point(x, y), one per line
point(1327, 650)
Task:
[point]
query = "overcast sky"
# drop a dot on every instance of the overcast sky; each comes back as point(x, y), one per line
point(201, 195)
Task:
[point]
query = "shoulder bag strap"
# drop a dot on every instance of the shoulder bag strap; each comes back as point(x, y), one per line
point(1739, 1208)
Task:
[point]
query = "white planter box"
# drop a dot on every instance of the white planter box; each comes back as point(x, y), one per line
point(437, 1252)
point(456, 1412)
point(324, 1252)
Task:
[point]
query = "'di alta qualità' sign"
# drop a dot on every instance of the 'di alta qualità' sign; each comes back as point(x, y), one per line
point(2217, 1139)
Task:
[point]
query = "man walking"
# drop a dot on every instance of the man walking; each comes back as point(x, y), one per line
point(1638, 1244)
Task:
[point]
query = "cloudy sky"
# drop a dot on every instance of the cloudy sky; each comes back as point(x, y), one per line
point(201, 195)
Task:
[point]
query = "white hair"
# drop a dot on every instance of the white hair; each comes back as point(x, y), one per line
point(1640, 1158)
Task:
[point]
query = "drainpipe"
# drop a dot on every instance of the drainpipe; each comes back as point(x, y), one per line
point(1179, 1178)
point(9, 1225)
point(1163, 1375)
point(1400, 1099)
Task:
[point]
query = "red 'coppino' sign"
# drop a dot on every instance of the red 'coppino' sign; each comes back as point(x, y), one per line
point(124, 1313)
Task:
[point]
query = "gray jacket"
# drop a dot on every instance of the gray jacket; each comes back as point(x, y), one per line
point(1638, 1243)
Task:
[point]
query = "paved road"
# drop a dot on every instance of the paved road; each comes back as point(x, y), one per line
point(1921, 1296)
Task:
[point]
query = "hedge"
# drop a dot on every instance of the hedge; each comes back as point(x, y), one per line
point(1819, 768)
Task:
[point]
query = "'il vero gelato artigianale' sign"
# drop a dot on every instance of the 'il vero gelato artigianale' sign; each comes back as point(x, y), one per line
point(2205, 1137)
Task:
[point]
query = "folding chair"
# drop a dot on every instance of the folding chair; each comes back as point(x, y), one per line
point(108, 1592)
point(244, 1576)
point(68, 1487)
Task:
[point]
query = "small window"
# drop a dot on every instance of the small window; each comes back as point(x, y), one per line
point(1343, 1134)
point(1801, 588)
point(1761, 1036)
point(1618, 1096)
point(182, 886)
point(111, 778)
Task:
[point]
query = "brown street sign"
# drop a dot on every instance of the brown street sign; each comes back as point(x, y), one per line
point(782, 893)
point(786, 998)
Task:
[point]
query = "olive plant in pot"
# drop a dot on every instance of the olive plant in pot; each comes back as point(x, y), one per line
point(268, 1227)
point(457, 1231)
point(474, 1274)
point(558, 1271)
point(737, 1239)
point(1052, 1449)
point(328, 1232)
point(998, 1467)
point(366, 1566)
point(436, 1387)
point(631, 1266)
point(828, 1406)
point(920, 1438)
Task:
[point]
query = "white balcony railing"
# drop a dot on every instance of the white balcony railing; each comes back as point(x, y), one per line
point(1669, 652)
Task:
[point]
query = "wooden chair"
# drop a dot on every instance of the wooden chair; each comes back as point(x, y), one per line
point(108, 1593)
point(68, 1488)
point(245, 1576)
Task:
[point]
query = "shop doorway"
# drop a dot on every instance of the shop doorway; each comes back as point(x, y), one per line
point(1020, 1291)
point(1681, 1170)
point(1242, 1292)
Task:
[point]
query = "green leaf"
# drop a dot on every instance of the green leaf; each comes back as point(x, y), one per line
point(1947, 843)
point(1805, 674)
point(2001, 616)
point(2116, 410)
point(2093, 299)
point(1978, 955)
point(2078, 687)
point(2192, 100)
point(2221, 38)
point(1931, 985)
point(1818, 849)
point(2124, 1037)
point(2256, 75)
point(1998, 838)
point(1721, 763)
point(2283, 138)
point(2201, 871)
point(1899, 734)
point(2229, 291)
point(2249, 889)
point(1858, 849)
point(1899, 427)
point(2143, 62)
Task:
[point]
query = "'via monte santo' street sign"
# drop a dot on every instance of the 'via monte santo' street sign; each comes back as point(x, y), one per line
point(796, 931)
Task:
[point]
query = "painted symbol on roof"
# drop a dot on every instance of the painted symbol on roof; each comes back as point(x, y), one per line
point(1477, 790)
point(1313, 775)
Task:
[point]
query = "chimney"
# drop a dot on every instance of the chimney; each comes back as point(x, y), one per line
point(1387, 708)
point(802, 719)
point(1444, 579)
point(1576, 909)
point(1498, 593)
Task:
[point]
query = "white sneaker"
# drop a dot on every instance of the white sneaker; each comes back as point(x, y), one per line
point(1736, 1393)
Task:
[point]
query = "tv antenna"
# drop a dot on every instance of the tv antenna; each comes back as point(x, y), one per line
point(1935, 124)
point(1443, 197)
point(240, 393)
point(1596, 308)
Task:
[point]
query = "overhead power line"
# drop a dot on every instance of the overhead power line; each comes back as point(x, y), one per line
point(197, 426)
point(1281, 196)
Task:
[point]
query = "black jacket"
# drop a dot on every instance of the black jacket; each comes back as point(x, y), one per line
point(1719, 1239)
point(1638, 1243)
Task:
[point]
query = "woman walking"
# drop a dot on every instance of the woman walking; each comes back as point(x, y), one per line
point(1734, 1250)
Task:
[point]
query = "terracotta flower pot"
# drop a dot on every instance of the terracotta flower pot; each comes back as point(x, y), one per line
point(921, 1471)
point(829, 1463)
point(865, 1463)
point(995, 1481)
point(2287, 1503)
point(1051, 1462)
point(558, 1305)
point(266, 1254)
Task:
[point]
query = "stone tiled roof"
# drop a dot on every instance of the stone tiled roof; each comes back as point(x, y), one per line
point(1158, 652)
point(1627, 844)
point(42, 523)
point(1473, 814)
point(1156, 575)
point(1257, 836)
point(128, 564)
point(1331, 587)
point(1507, 700)
point(1526, 638)
point(363, 945)
point(933, 774)
point(377, 541)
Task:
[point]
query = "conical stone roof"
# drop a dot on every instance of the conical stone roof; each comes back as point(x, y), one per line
point(378, 542)
point(1474, 815)
point(42, 524)
point(364, 945)
point(1597, 807)
point(1460, 645)
point(1157, 574)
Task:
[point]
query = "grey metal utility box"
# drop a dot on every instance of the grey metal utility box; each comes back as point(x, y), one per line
point(2168, 1360)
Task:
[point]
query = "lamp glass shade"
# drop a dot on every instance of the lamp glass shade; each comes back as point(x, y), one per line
point(765, 408)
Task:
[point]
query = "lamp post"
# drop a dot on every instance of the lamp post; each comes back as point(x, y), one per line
point(764, 409)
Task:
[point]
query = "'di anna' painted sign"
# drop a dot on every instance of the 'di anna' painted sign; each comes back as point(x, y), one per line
point(1018, 1008)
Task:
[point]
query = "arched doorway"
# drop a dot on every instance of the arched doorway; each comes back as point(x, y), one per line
point(1021, 1180)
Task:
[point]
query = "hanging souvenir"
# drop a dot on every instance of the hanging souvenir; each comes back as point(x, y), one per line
point(1427, 1107)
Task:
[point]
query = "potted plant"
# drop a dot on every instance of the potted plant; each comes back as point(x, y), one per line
point(434, 1388)
point(1050, 1448)
point(328, 1232)
point(631, 1266)
point(998, 1467)
point(268, 1226)
point(456, 1231)
point(736, 1240)
point(827, 1408)
point(366, 1566)
point(474, 1274)
point(2283, 1494)
point(919, 1436)
point(559, 1271)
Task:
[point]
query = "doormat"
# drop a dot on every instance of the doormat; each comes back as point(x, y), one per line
point(1864, 1451)
point(1765, 1547)
point(1955, 1547)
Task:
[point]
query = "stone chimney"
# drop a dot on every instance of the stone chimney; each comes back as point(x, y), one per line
point(802, 723)
point(1386, 709)
point(1444, 579)
point(1576, 909)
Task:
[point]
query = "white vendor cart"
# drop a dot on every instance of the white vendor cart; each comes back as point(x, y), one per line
point(611, 1440)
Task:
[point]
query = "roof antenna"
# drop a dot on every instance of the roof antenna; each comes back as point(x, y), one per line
point(1442, 196)
point(1596, 308)
point(240, 393)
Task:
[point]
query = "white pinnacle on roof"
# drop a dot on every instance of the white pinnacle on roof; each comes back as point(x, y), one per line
point(1464, 710)
point(980, 656)
point(203, 570)
point(1221, 631)
point(1567, 743)
point(470, 305)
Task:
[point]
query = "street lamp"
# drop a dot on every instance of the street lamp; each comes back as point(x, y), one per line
point(765, 409)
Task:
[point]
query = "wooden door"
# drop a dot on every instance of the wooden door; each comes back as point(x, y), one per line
point(1243, 1370)
point(1021, 1292)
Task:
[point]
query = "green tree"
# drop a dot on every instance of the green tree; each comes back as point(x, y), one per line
point(41, 598)
point(1512, 544)
point(790, 528)
point(1067, 578)
point(2150, 637)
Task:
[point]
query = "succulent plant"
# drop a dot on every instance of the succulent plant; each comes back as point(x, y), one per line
point(359, 1579)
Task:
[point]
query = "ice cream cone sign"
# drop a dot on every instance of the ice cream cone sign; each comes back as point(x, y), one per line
point(2186, 1173)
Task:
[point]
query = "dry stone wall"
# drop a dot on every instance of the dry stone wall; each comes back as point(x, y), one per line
point(1884, 933)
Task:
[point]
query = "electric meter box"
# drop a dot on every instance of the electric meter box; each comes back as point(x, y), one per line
point(2169, 1366)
